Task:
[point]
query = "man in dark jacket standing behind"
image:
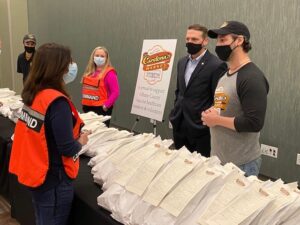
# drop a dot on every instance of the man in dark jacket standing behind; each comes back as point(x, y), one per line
point(197, 75)
point(26, 57)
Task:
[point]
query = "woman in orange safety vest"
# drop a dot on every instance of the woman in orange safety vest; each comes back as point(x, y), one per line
point(100, 88)
point(47, 136)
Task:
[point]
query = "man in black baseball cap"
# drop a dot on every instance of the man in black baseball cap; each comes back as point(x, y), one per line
point(234, 32)
point(25, 58)
point(29, 38)
point(230, 27)
point(240, 101)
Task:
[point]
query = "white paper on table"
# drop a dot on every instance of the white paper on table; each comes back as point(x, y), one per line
point(235, 185)
point(5, 93)
point(128, 167)
point(102, 147)
point(88, 115)
point(206, 196)
point(124, 206)
point(108, 198)
point(105, 168)
point(293, 185)
point(118, 156)
point(119, 135)
point(292, 221)
point(184, 192)
point(102, 135)
point(93, 150)
point(293, 216)
point(284, 197)
point(128, 142)
point(109, 140)
point(230, 167)
point(167, 143)
point(93, 127)
point(141, 179)
point(293, 210)
point(109, 149)
point(125, 144)
point(177, 170)
point(246, 205)
point(94, 137)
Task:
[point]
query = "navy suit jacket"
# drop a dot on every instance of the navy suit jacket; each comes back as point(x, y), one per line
point(197, 96)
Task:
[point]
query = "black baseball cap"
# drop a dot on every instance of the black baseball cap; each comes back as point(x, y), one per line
point(29, 37)
point(230, 27)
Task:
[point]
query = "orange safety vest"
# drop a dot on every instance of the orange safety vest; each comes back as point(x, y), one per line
point(94, 92)
point(29, 156)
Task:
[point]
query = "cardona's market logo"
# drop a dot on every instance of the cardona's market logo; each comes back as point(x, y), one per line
point(155, 61)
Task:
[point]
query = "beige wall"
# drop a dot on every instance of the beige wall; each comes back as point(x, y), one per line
point(13, 26)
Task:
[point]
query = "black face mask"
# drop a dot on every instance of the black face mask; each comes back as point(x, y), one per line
point(193, 48)
point(224, 51)
point(29, 49)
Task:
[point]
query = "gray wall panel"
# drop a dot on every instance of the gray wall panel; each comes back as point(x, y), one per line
point(122, 25)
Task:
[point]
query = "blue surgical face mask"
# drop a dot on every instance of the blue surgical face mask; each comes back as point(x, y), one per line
point(99, 60)
point(71, 75)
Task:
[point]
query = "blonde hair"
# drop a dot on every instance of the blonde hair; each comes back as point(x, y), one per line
point(91, 66)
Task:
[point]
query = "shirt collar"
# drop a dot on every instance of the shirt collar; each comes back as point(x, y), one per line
point(198, 58)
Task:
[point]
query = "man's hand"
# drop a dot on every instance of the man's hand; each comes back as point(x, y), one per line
point(210, 117)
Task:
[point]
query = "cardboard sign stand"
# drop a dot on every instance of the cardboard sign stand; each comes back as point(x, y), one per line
point(135, 123)
point(153, 80)
point(154, 127)
point(154, 124)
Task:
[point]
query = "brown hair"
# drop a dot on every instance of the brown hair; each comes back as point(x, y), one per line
point(50, 63)
point(199, 27)
point(246, 43)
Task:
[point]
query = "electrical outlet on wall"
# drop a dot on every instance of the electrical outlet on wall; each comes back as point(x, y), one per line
point(270, 151)
point(298, 159)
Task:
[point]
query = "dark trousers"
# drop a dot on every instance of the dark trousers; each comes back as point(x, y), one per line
point(200, 144)
point(99, 110)
point(53, 206)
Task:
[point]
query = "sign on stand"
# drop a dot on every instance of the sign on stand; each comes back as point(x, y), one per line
point(154, 78)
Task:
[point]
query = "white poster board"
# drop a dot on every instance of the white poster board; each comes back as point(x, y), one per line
point(153, 80)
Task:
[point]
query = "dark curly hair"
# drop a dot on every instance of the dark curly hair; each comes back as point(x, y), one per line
point(246, 45)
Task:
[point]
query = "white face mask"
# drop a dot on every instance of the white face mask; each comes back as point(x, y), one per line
point(99, 60)
point(72, 73)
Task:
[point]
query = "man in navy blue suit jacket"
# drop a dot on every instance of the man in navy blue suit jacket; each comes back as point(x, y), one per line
point(197, 76)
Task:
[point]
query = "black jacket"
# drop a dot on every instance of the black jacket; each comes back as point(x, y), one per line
point(197, 96)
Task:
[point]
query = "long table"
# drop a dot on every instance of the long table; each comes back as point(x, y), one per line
point(85, 209)
point(6, 131)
